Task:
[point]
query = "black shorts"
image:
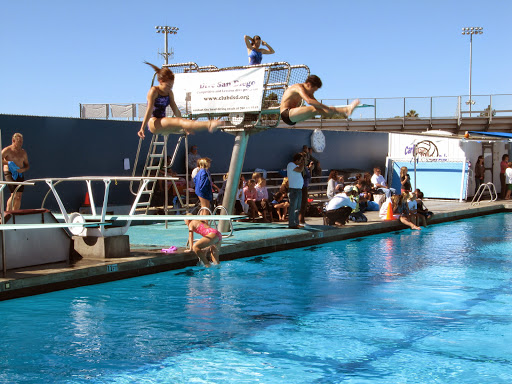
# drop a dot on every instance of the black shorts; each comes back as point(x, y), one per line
point(12, 187)
point(285, 115)
point(340, 215)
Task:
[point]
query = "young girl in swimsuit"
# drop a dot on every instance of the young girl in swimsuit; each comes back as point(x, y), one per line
point(159, 97)
point(254, 51)
point(212, 239)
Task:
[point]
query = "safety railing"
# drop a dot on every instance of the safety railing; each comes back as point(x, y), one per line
point(487, 187)
point(432, 107)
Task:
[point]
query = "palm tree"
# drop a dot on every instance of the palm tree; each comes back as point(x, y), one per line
point(412, 114)
point(487, 112)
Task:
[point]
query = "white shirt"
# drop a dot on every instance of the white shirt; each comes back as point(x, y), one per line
point(295, 179)
point(508, 176)
point(378, 180)
point(262, 192)
point(340, 200)
point(194, 172)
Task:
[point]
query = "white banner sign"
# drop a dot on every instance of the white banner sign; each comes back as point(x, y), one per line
point(219, 92)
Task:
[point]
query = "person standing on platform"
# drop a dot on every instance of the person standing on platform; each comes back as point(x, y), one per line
point(15, 162)
point(296, 182)
point(203, 185)
point(254, 51)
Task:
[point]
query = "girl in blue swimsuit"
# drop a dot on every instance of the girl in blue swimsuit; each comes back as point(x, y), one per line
point(254, 51)
point(161, 96)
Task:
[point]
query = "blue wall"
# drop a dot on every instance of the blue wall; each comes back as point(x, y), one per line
point(437, 179)
point(65, 147)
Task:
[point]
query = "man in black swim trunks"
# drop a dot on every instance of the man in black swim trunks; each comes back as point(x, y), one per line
point(291, 110)
point(15, 162)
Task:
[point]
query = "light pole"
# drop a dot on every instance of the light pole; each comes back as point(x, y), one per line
point(471, 31)
point(166, 31)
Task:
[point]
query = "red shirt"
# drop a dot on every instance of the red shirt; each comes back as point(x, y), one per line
point(503, 165)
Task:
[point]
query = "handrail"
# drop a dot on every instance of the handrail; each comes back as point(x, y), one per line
point(220, 208)
point(427, 107)
point(479, 193)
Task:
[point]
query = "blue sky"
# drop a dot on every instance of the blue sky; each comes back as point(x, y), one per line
point(57, 54)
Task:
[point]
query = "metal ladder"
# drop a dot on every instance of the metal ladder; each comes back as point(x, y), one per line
point(155, 160)
point(480, 191)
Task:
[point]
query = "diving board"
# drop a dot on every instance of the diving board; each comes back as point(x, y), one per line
point(11, 227)
point(155, 217)
point(96, 224)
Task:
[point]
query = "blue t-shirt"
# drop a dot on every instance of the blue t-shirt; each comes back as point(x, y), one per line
point(255, 57)
point(203, 184)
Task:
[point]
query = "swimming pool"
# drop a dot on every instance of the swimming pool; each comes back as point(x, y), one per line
point(430, 306)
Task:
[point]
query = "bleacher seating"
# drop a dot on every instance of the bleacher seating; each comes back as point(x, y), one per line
point(317, 190)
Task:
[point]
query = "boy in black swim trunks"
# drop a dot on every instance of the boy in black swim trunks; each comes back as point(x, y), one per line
point(15, 162)
point(291, 110)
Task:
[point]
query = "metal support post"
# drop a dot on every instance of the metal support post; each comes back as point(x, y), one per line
point(234, 173)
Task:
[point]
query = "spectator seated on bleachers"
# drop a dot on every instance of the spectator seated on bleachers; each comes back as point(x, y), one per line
point(251, 196)
point(262, 201)
point(240, 204)
point(380, 184)
point(366, 202)
point(280, 206)
point(334, 184)
point(285, 186)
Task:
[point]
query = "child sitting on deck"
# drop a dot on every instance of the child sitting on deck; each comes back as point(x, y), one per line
point(423, 213)
point(280, 206)
point(211, 239)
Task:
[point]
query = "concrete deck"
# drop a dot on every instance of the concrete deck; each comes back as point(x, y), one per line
point(249, 239)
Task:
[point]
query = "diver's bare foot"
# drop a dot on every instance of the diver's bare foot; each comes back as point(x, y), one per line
point(351, 106)
point(416, 227)
point(213, 125)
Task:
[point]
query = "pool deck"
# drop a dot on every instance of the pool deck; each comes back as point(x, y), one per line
point(249, 239)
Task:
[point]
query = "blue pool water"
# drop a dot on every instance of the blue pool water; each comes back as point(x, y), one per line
point(430, 306)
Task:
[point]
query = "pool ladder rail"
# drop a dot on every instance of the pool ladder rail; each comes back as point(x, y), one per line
point(481, 190)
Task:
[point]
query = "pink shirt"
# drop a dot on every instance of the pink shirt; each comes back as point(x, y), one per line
point(250, 195)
